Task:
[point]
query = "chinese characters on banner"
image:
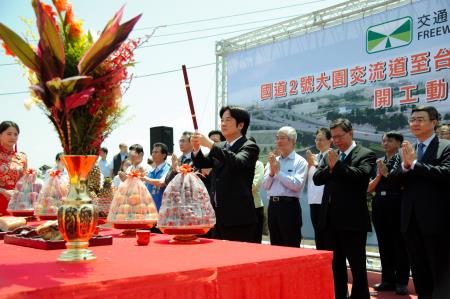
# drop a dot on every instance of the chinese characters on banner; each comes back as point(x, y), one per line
point(418, 63)
point(429, 25)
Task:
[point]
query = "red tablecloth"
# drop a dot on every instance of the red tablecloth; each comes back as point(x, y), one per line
point(211, 269)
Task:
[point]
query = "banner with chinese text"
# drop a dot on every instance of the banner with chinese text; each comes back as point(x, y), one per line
point(370, 70)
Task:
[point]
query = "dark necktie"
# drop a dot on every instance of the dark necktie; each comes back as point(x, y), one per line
point(183, 158)
point(320, 158)
point(227, 146)
point(420, 151)
point(342, 156)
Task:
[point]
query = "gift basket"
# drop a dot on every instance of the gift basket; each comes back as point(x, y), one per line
point(186, 209)
point(55, 188)
point(132, 206)
point(25, 195)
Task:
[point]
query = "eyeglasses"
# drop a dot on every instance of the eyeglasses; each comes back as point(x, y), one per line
point(281, 138)
point(417, 119)
point(336, 137)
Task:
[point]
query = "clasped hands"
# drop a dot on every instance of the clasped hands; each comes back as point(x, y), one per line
point(408, 154)
point(274, 164)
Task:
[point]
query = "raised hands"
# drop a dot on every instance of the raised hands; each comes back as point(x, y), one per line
point(274, 164)
point(333, 157)
point(199, 139)
point(408, 154)
point(310, 158)
point(382, 168)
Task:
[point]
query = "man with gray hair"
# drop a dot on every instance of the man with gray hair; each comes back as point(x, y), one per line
point(284, 179)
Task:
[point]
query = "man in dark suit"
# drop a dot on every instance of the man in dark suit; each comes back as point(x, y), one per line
point(425, 210)
point(233, 167)
point(386, 205)
point(344, 216)
point(119, 158)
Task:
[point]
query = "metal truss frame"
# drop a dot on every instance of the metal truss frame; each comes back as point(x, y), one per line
point(304, 24)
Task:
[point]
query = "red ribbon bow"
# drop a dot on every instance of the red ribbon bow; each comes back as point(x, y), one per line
point(134, 174)
point(185, 168)
point(54, 173)
point(30, 171)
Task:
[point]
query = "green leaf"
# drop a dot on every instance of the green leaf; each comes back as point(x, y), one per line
point(20, 48)
point(66, 86)
point(110, 40)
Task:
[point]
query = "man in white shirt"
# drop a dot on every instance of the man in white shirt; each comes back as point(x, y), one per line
point(104, 164)
point(284, 179)
point(315, 193)
point(136, 156)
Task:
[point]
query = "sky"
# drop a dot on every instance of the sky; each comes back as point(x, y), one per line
point(156, 100)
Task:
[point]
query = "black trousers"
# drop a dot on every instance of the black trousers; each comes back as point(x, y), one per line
point(430, 262)
point(394, 258)
point(285, 223)
point(314, 211)
point(259, 225)
point(350, 245)
point(241, 233)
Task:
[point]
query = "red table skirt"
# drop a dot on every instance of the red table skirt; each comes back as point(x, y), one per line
point(211, 269)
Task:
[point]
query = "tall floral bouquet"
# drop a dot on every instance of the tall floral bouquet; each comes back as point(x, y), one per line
point(75, 79)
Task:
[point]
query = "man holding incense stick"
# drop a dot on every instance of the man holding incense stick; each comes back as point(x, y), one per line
point(233, 167)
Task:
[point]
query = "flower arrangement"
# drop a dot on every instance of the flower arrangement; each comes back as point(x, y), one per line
point(75, 79)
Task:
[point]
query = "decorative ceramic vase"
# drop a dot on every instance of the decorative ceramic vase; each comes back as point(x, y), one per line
point(77, 216)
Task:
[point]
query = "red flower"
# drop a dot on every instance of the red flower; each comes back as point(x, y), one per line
point(61, 5)
point(49, 10)
point(185, 168)
point(7, 50)
point(54, 173)
point(75, 30)
point(69, 16)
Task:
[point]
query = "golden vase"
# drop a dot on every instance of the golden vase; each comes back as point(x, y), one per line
point(77, 216)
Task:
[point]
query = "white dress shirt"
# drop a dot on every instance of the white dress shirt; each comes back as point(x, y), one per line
point(289, 181)
point(315, 192)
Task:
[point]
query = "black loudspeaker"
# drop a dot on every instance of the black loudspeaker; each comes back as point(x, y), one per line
point(162, 134)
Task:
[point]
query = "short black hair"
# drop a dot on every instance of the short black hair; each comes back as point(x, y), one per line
point(58, 156)
point(395, 135)
point(342, 123)
point(137, 148)
point(216, 132)
point(187, 134)
point(239, 114)
point(163, 147)
point(432, 112)
point(324, 131)
point(105, 150)
point(8, 124)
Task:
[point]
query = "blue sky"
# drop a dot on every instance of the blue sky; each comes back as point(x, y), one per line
point(156, 100)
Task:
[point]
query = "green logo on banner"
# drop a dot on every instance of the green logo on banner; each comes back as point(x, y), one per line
point(389, 35)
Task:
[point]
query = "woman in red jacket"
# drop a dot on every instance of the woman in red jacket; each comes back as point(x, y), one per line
point(12, 163)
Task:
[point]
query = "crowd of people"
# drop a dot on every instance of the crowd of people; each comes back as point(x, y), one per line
point(410, 207)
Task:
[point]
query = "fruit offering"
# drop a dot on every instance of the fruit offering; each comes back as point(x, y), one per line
point(132, 206)
point(186, 205)
point(25, 195)
point(55, 188)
